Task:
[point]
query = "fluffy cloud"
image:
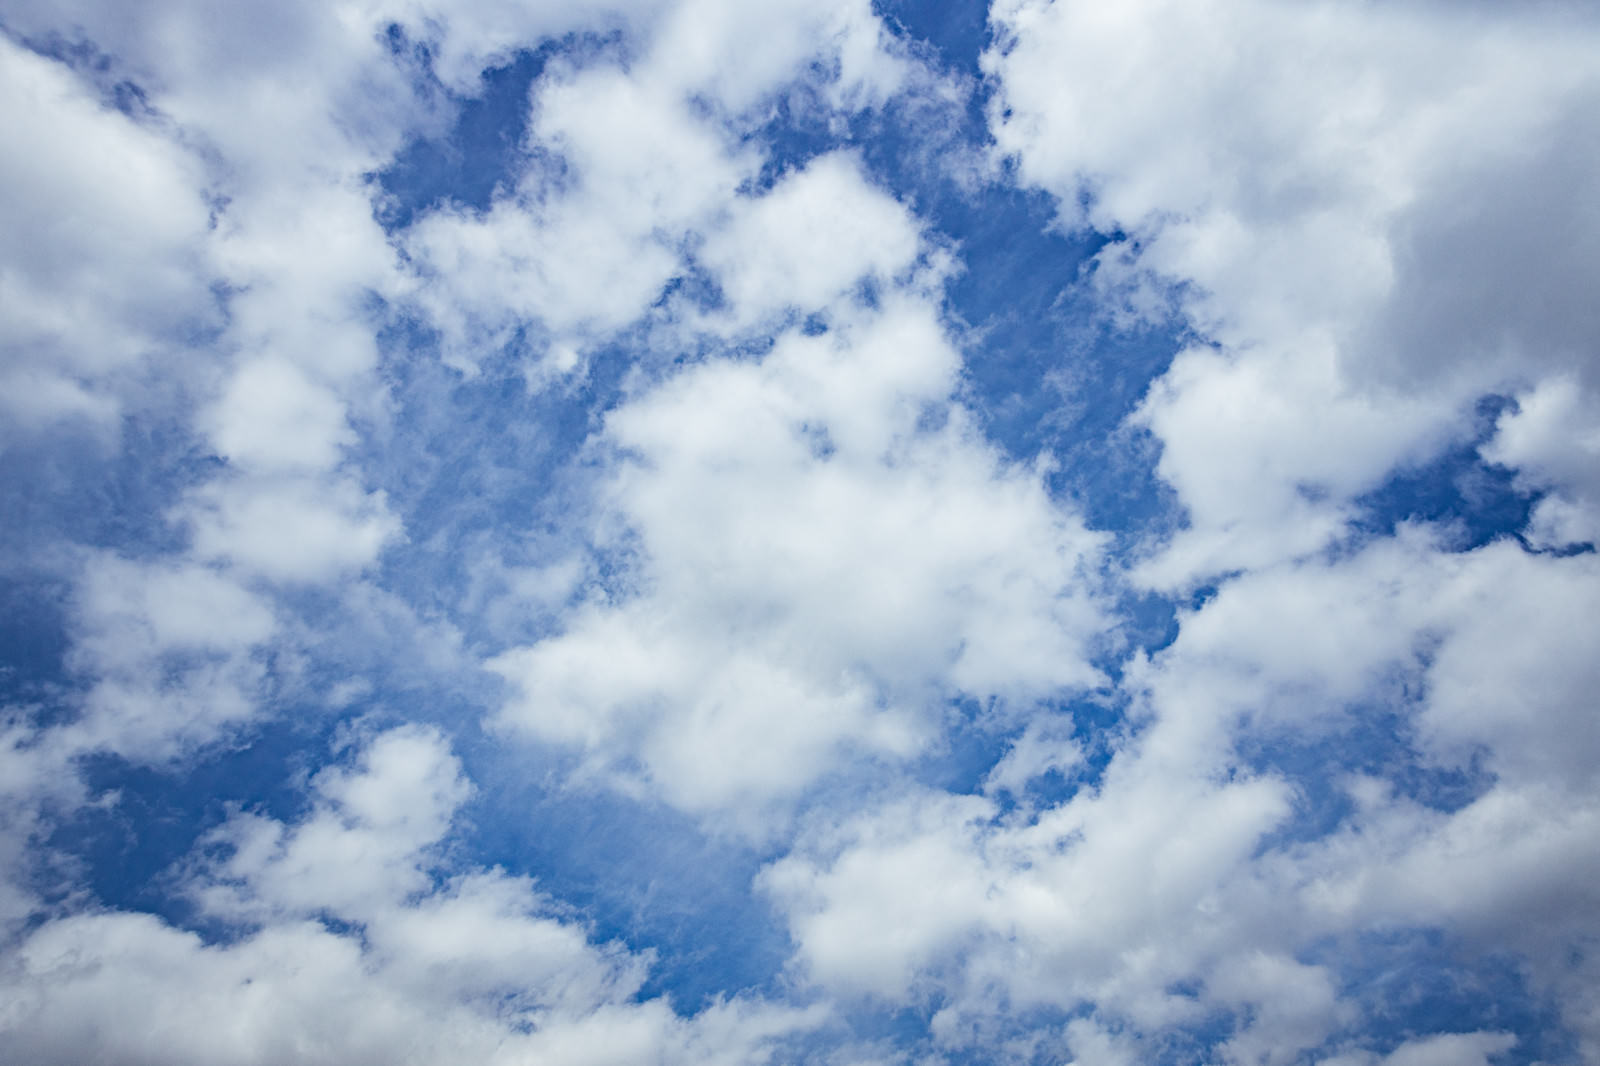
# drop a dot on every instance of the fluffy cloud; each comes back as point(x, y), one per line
point(350, 950)
point(640, 173)
point(745, 549)
point(1552, 439)
point(807, 241)
point(1372, 241)
point(1367, 245)
point(628, 168)
point(1111, 899)
point(1163, 875)
point(104, 263)
point(170, 648)
point(1448, 1048)
point(826, 550)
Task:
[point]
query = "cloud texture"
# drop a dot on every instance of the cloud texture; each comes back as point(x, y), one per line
point(804, 532)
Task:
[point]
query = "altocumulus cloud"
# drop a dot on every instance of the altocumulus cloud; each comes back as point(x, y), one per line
point(829, 532)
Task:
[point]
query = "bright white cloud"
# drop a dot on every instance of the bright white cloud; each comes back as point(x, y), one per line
point(289, 529)
point(1374, 238)
point(591, 254)
point(802, 245)
point(102, 263)
point(826, 552)
point(1446, 1049)
point(171, 650)
point(272, 416)
point(797, 550)
point(1552, 439)
point(632, 168)
point(473, 967)
point(737, 55)
point(1154, 878)
point(1368, 241)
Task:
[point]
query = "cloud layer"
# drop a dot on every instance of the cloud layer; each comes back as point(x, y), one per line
point(484, 474)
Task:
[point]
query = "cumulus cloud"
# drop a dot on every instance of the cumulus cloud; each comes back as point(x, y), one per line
point(805, 243)
point(1462, 1048)
point(171, 649)
point(1551, 440)
point(591, 255)
point(1372, 241)
point(105, 262)
point(670, 482)
point(1367, 246)
point(826, 549)
point(349, 950)
point(631, 168)
point(1172, 873)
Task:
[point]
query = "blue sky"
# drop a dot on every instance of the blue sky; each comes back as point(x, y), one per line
point(831, 533)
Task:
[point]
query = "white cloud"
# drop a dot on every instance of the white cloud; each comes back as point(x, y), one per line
point(1494, 637)
point(123, 270)
point(1445, 1049)
point(806, 242)
point(466, 39)
point(736, 55)
point(591, 255)
point(469, 968)
point(1162, 876)
point(171, 650)
point(307, 258)
point(1092, 1045)
point(1110, 899)
point(36, 779)
point(817, 570)
point(102, 264)
point(272, 416)
point(1552, 438)
point(1267, 450)
point(167, 606)
point(1368, 241)
point(271, 94)
point(1045, 746)
point(1291, 1007)
point(1373, 239)
point(360, 852)
point(245, 191)
point(631, 168)
point(811, 550)
point(289, 530)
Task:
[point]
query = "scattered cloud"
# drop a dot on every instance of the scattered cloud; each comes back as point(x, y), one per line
point(417, 595)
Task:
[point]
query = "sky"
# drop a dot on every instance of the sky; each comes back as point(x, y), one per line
point(822, 532)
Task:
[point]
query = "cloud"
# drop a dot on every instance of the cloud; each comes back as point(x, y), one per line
point(1111, 899)
point(288, 530)
point(1357, 231)
point(628, 169)
point(826, 551)
point(1551, 439)
point(670, 484)
point(351, 951)
point(1445, 1048)
point(271, 416)
point(807, 241)
point(736, 56)
point(1164, 876)
point(104, 264)
point(171, 650)
point(588, 256)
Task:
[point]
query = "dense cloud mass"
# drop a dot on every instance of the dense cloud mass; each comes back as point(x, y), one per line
point(685, 531)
